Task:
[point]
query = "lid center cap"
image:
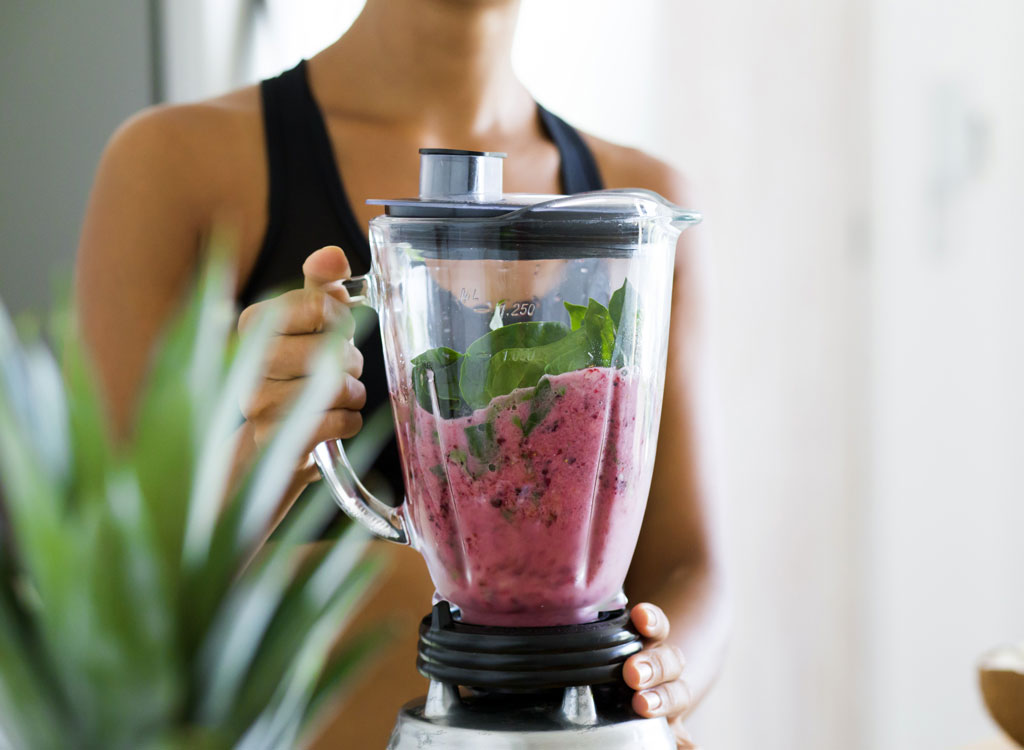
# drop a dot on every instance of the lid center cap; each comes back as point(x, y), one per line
point(453, 174)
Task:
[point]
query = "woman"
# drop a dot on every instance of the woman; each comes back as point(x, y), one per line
point(289, 166)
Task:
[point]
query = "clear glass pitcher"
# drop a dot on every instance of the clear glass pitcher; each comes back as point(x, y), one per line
point(525, 342)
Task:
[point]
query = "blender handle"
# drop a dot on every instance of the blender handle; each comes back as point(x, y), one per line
point(348, 491)
point(353, 498)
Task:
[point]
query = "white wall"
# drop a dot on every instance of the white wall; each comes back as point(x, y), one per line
point(216, 46)
point(947, 434)
point(202, 44)
point(562, 55)
point(69, 73)
point(768, 108)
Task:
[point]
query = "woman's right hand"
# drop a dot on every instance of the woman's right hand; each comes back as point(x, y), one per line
point(320, 306)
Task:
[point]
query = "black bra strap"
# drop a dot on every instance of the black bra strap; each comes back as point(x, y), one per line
point(277, 134)
point(579, 168)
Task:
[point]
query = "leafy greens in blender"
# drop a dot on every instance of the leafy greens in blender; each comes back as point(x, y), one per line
point(519, 355)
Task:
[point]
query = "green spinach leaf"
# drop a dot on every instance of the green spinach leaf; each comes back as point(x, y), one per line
point(615, 303)
point(479, 385)
point(625, 312)
point(576, 314)
point(543, 399)
point(443, 363)
point(517, 335)
point(481, 443)
point(591, 344)
point(600, 328)
point(575, 353)
point(519, 355)
point(516, 368)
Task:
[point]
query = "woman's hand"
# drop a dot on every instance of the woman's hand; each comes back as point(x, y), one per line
point(656, 673)
point(318, 307)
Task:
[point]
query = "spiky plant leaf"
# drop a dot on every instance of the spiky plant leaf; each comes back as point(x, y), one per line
point(341, 669)
point(273, 473)
point(331, 571)
point(228, 650)
point(279, 724)
point(23, 690)
point(137, 609)
point(220, 443)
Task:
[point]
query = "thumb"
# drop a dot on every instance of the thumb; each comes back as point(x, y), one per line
point(324, 268)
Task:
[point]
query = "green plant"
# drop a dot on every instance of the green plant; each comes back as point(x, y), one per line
point(139, 605)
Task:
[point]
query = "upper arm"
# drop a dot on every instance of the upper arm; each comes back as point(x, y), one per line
point(138, 249)
point(679, 526)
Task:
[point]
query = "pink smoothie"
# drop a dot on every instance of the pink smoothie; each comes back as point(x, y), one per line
point(529, 521)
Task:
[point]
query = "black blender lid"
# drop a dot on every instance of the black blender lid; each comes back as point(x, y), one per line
point(460, 152)
point(457, 209)
point(459, 183)
point(461, 207)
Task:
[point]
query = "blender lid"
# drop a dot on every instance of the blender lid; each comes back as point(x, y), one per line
point(461, 184)
point(461, 207)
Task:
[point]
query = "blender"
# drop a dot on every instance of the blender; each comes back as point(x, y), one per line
point(525, 341)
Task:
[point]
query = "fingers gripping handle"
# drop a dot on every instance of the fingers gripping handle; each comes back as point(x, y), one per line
point(358, 502)
point(350, 493)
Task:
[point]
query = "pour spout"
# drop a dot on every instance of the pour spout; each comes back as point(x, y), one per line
point(684, 219)
point(656, 206)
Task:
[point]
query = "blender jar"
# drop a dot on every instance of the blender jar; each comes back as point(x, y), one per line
point(525, 341)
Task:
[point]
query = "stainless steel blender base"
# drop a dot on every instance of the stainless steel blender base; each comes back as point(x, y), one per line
point(441, 721)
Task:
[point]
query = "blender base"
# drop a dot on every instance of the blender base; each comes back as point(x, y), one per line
point(524, 688)
point(447, 721)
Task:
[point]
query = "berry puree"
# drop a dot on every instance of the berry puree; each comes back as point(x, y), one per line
point(528, 510)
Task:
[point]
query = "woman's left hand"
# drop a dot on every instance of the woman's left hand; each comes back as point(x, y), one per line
point(656, 673)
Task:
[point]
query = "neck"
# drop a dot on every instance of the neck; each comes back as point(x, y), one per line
point(443, 65)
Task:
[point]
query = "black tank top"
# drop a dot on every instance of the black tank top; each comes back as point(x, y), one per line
point(308, 209)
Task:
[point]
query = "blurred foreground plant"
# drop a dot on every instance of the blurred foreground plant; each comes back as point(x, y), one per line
point(138, 605)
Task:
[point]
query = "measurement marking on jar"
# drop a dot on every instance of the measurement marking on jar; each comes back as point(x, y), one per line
point(521, 309)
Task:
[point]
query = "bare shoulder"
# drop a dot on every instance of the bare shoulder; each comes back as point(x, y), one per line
point(197, 125)
point(624, 167)
point(191, 151)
